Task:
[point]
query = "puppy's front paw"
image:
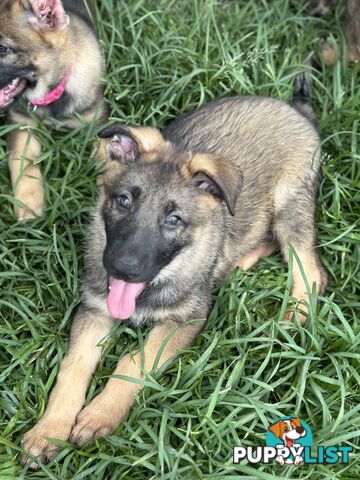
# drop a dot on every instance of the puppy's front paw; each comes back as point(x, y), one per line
point(95, 420)
point(33, 201)
point(36, 443)
point(297, 311)
point(292, 316)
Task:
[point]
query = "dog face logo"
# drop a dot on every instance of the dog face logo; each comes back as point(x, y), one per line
point(289, 441)
point(288, 430)
point(289, 435)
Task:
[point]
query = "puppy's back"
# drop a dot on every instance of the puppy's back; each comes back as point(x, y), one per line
point(252, 132)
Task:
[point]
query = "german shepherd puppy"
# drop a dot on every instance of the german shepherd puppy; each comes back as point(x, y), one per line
point(51, 65)
point(330, 52)
point(220, 188)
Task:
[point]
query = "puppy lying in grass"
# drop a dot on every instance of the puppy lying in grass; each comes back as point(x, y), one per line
point(220, 188)
point(51, 66)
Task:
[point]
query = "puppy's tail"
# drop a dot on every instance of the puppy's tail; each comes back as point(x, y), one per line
point(301, 100)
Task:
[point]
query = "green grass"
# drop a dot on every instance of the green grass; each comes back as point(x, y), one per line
point(245, 370)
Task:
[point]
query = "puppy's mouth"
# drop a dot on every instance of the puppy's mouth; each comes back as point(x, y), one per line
point(10, 91)
point(289, 442)
point(121, 299)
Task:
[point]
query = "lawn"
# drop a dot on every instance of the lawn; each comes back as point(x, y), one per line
point(166, 57)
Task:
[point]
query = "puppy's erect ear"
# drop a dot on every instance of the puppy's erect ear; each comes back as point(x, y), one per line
point(46, 14)
point(278, 428)
point(125, 144)
point(218, 177)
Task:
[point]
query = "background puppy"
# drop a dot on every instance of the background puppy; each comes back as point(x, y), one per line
point(330, 52)
point(225, 185)
point(51, 66)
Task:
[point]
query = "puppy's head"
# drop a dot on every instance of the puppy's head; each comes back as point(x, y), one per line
point(288, 430)
point(34, 51)
point(157, 202)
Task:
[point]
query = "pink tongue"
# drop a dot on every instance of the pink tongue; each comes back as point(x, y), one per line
point(121, 298)
point(2, 97)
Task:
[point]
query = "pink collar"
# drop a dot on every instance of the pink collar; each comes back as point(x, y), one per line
point(54, 94)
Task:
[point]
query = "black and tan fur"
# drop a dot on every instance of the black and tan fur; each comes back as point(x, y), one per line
point(241, 174)
point(39, 51)
point(330, 52)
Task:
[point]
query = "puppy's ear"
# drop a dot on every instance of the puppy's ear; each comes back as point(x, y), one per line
point(46, 14)
point(125, 144)
point(120, 144)
point(277, 429)
point(218, 177)
point(296, 421)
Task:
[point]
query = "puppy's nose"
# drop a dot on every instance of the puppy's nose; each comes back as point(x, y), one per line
point(299, 429)
point(126, 267)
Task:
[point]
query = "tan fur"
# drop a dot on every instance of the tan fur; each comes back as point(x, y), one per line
point(52, 53)
point(253, 257)
point(221, 171)
point(204, 163)
point(314, 276)
point(112, 405)
point(74, 375)
point(147, 138)
point(105, 412)
point(26, 176)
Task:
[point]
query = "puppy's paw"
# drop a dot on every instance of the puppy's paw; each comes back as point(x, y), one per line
point(33, 203)
point(95, 420)
point(328, 52)
point(24, 215)
point(291, 317)
point(299, 310)
point(37, 444)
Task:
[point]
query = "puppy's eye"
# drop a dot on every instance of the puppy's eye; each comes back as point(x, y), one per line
point(4, 49)
point(172, 221)
point(124, 201)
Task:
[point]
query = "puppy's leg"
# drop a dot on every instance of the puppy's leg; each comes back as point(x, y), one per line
point(253, 257)
point(68, 395)
point(26, 177)
point(109, 408)
point(294, 225)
